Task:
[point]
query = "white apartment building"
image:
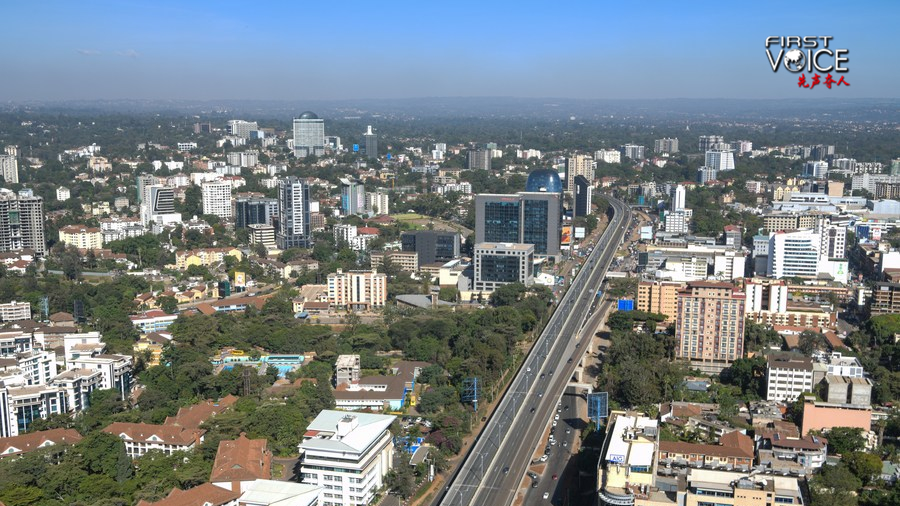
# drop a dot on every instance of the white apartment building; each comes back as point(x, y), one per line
point(788, 375)
point(217, 198)
point(141, 438)
point(771, 297)
point(815, 170)
point(720, 159)
point(9, 168)
point(608, 156)
point(63, 194)
point(679, 198)
point(81, 237)
point(357, 290)
point(186, 146)
point(20, 406)
point(794, 253)
point(78, 385)
point(15, 311)
point(348, 455)
point(116, 370)
point(679, 222)
point(377, 203)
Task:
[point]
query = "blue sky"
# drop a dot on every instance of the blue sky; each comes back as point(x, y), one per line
point(307, 50)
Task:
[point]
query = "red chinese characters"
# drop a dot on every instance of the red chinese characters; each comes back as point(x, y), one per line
point(816, 79)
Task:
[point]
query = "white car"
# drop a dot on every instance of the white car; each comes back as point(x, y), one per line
point(544, 458)
point(546, 495)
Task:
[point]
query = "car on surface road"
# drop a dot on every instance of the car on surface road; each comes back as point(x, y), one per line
point(555, 476)
point(544, 458)
point(546, 495)
point(506, 470)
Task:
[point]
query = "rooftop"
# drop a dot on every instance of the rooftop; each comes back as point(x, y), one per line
point(340, 431)
point(242, 459)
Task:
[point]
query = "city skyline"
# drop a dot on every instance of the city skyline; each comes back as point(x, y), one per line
point(228, 50)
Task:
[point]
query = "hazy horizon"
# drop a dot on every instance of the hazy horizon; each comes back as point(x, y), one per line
point(219, 51)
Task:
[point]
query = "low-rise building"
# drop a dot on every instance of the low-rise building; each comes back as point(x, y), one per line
point(788, 376)
point(407, 261)
point(240, 462)
point(206, 494)
point(705, 487)
point(353, 451)
point(141, 438)
point(25, 443)
point(15, 311)
point(81, 236)
point(775, 448)
point(152, 321)
point(205, 257)
point(824, 416)
point(734, 452)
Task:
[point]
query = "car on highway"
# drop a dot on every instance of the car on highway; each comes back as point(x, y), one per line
point(506, 470)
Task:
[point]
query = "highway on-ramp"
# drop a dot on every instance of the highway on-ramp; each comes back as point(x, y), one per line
point(492, 470)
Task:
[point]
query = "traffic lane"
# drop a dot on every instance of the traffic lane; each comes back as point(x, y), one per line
point(503, 487)
point(464, 487)
point(566, 434)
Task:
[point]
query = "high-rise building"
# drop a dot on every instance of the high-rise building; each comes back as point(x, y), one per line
point(293, 214)
point(720, 159)
point(678, 200)
point(659, 297)
point(708, 142)
point(706, 174)
point(309, 135)
point(353, 197)
point(158, 205)
point(370, 143)
point(142, 182)
point(22, 222)
point(357, 290)
point(377, 203)
point(498, 264)
point(431, 246)
point(578, 165)
point(525, 218)
point(678, 222)
point(794, 253)
point(9, 168)
point(241, 128)
point(479, 159)
point(254, 211)
point(243, 158)
point(666, 145)
point(608, 156)
point(583, 191)
point(633, 151)
point(216, 196)
point(816, 170)
point(709, 325)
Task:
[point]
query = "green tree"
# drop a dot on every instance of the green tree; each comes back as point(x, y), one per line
point(168, 304)
point(865, 466)
point(835, 486)
point(844, 440)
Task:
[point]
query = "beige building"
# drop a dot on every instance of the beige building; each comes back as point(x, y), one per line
point(725, 488)
point(205, 257)
point(81, 236)
point(357, 290)
point(789, 221)
point(578, 165)
point(659, 297)
point(407, 261)
point(709, 325)
point(262, 234)
point(626, 472)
